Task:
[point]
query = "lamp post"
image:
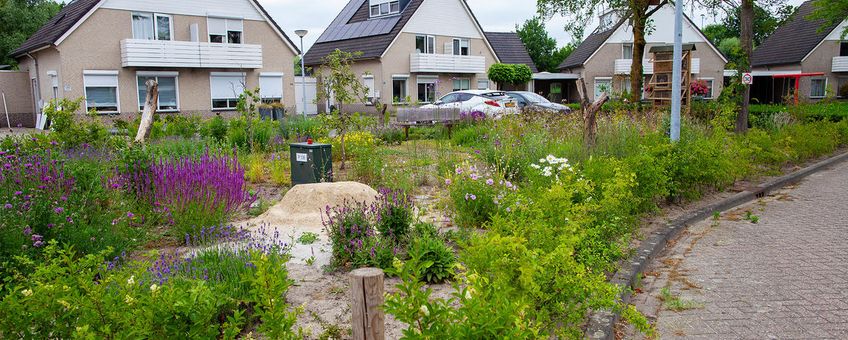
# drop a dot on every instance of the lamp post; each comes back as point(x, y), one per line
point(677, 77)
point(301, 34)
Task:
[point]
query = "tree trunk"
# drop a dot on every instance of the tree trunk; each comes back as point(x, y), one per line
point(636, 72)
point(150, 106)
point(746, 21)
point(344, 156)
point(590, 115)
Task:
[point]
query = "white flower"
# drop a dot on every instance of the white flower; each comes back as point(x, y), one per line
point(535, 166)
point(154, 287)
point(542, 161)
point(27, 292)
point(551, 159)
point(131, 280)
point(424, 310)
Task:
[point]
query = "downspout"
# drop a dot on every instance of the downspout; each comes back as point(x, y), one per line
point(37, 96)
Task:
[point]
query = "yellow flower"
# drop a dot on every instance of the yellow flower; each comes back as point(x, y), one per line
point(129, 299)
point(27, 292)
point(65, 304)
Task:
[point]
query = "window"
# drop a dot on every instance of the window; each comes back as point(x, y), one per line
point(368, 82)
point(399, 89)
point(223, 30)
point(384, 7)
point(461, 47)
point(818, 87)
point(482, 84)
point(843, 49)
point(225, 89)
point(271, 87)
point(425, 44)
point(426, 89)
point(168, 93)
point(101, 91)
point(627, 51)
point(461, 84)
point(709, 83)
point(150, 26)
point(602, 85)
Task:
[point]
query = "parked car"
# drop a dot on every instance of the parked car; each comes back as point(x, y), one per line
point(494, 104)
point(530, 100)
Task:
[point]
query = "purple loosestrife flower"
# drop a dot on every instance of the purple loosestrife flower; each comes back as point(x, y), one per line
point(27, 231)
point(8, 206)
point(59, 210)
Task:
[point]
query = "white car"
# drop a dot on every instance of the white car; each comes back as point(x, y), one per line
point(494, 104)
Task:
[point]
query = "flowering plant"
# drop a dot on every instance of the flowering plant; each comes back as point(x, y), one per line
point(476, 194)
point(699, 88)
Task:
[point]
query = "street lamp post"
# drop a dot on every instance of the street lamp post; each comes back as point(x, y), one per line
point(301, 34)
point(677, 77)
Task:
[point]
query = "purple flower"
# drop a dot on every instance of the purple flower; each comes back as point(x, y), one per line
point(8, 206)
point(64, 198)
point(459, 171)
point(38, 244)
point(59, 210)
point(448, 181)
point(50, 225)
point(27, 231)
point(490, 182)
point(36, 238)
point(130, 215)
point(18, 193)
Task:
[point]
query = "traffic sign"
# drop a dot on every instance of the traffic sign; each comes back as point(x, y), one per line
point(747, 79)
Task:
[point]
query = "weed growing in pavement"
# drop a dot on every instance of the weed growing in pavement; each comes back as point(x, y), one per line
point(675, 303)
point(750, 217)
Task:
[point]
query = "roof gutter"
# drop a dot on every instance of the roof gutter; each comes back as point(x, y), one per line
point(37, 91)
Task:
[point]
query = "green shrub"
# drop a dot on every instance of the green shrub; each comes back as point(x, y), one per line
point(437, 259)
point(394, 215)
point(475, 194)
point(71, 131)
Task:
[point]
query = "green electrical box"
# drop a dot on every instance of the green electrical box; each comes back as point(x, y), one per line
point(311, 163)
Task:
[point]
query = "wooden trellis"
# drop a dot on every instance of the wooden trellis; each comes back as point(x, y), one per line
point(661, 82)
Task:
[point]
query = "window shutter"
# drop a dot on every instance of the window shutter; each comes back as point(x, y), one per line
point(227, 86)
point(217, 26)
point(271, 86)
point(449, 48)
point(235, 25)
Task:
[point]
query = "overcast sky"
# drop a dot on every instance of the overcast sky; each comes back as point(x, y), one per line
point(494, 15)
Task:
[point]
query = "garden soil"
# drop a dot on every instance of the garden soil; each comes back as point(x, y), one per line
point(324, 295)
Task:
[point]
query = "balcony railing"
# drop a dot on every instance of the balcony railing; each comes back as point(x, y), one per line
point(840, 64)
point(446, 63)
point(622, 66)
point(157, 53)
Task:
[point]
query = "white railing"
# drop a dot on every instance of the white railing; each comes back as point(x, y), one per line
point(622, 66)
point(446, 63)
point(840, 64)
point(157, 53)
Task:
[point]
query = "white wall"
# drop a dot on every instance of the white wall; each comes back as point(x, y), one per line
point(311, 95)
point(662, 23)
point(227, 8)
point(443, 17)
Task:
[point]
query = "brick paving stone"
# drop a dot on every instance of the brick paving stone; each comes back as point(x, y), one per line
point(783, 278)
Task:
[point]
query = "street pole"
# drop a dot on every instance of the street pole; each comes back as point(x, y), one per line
point(301, 34)
point(677, 77)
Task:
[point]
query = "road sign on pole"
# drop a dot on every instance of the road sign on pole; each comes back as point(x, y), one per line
point(747, 79)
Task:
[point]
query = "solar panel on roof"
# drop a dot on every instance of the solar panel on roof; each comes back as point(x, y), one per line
point(361, 29)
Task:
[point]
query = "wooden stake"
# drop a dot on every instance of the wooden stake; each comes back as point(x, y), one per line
point(150, 106)
point(366, 290)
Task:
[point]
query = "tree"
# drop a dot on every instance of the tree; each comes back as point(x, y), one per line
point(541, 46)
point(510, 74)
point(340, 82)
point(297, 67)
point(831, 12)
point(766, 21)
point(19, 19)
point(583, 11)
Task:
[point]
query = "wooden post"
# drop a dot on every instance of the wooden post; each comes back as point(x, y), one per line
point(590, 114)
point(366, 290)
point(150, 106)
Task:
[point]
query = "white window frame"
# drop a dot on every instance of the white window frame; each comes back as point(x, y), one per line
point(378, 6)
point(157, 74)
point(598, 81)
point(824, 88)
point(212, 75)
point(371, 94)
point(117, 87)
point(711, 85)
point(405, 79)
point(624, 49)
point(428, 80)
point(461, 80)
point(481, 81)
point(457, 47)
point(428, 47)
point(155, 23)
point(227, 30)
point(279, 75)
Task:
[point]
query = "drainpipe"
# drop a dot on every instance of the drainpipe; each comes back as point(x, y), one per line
point(37, 96)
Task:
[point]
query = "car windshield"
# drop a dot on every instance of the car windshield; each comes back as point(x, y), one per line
point(535, 98)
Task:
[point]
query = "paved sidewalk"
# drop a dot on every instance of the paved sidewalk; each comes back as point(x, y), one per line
point(785, 277)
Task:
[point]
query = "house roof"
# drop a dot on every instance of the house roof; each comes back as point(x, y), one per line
point(372, 46)
point(48, 34)
point(510, 49)
point(597, 39)
point(76, 10)
point(792, 41)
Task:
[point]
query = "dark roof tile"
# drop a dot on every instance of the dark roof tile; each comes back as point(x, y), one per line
point(510, 49)
point(56, 27)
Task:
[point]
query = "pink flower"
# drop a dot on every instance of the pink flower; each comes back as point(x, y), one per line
point(448, 181)
point(130, 215)
point(8, 206)
point(490, 182)
point(459, 171)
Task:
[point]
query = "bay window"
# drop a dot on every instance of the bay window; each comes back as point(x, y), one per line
point(168, 91)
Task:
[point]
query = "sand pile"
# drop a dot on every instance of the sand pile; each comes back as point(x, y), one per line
point(303, 205)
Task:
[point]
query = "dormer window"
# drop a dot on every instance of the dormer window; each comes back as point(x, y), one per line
point(384, 7)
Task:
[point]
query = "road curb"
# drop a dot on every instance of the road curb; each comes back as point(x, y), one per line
point(602, 324)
